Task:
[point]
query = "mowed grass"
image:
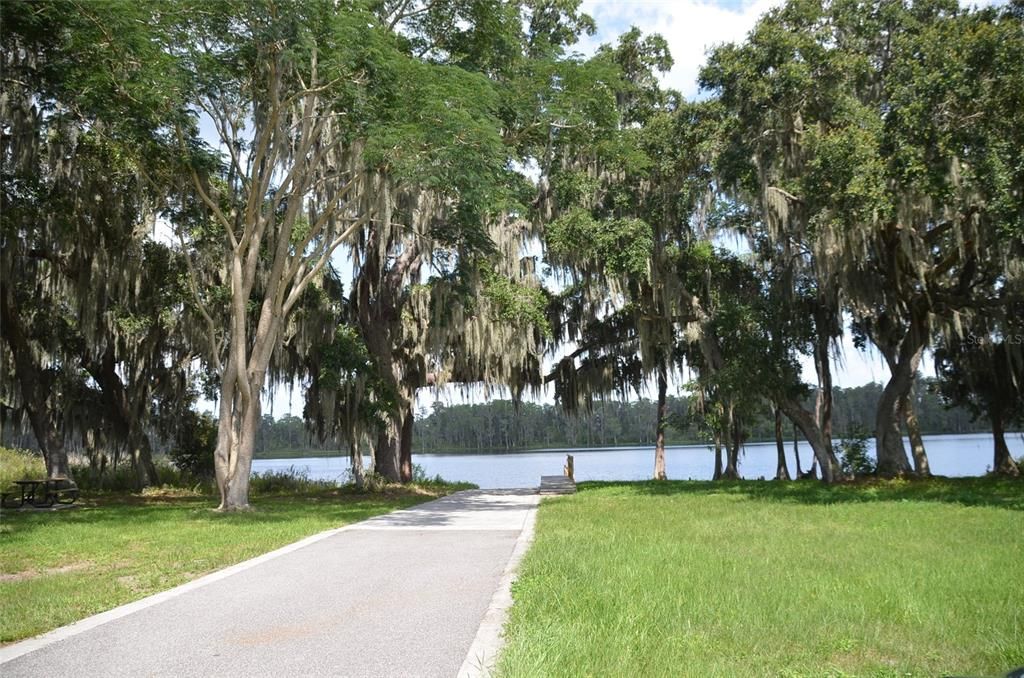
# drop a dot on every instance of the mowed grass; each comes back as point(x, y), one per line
point(768, 579)
point(57, 567)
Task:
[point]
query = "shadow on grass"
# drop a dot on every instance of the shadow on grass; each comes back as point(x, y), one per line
point(989, 491)
point(344, 505)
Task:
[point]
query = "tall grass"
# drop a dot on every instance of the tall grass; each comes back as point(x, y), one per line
point(19, 465)
point(124, 478)
point(291, 480)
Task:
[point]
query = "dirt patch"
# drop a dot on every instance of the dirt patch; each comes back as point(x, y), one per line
point(168, 492)
point(130, 582)
point(46, 572)
point(860, 660)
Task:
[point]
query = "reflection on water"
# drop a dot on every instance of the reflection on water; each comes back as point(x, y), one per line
point(950, 455)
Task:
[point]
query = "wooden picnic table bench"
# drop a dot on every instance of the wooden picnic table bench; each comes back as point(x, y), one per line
point(41, 493)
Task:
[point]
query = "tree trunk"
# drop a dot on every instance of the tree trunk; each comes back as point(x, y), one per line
point(732, 448)
point(781, 470)
point(921, 467)
point(796, 452)
point(823, 367)
point(731, 471)
point(35, 384)
point(238, 426)
point(823, 452)
point(386, 453)
point(718, 456)
point(892, 457)
point(1002, 462)
point(659, 443)
point(356, 457)
point(405, 452)
point(379, 294)
point(237, 490)
point(142, 456)
point(52, 444)
point(125, 414)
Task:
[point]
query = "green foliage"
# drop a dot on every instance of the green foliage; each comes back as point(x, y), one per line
point(194, 443)
point(102, 59)
point(847, 168)
point(346, 358)
point(619, 246)
point(638, 57)
point(853, 453)
point(439, 132)
point(574, 187)
point(419, 474)
point(888, 169)
point(346, 364)
point(516, 304)
point(980, 372)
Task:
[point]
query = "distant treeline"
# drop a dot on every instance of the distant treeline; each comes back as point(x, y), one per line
point(500, 425)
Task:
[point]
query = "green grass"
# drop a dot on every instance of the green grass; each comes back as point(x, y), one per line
point(767, 579)
point(60, 566)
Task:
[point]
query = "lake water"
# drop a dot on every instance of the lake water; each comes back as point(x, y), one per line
point(949, 455)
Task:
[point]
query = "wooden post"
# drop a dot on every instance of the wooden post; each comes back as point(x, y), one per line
point(568, 471)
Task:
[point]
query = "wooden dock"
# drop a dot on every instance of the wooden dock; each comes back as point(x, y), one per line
point(557, 485)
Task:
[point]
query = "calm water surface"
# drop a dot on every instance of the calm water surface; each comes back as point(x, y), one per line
point(950, 455)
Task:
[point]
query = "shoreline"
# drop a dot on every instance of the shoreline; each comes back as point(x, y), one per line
point(331, 454)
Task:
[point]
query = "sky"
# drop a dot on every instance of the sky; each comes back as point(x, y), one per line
point(691, 28)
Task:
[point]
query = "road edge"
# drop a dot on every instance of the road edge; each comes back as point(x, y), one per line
point(489, 640)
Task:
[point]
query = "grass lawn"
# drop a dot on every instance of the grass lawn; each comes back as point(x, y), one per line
point(60, 566)
point(768, 579)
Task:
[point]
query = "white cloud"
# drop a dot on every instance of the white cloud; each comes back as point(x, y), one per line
point(691, 28)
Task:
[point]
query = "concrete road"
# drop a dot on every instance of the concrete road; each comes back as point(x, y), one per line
point(397, 595)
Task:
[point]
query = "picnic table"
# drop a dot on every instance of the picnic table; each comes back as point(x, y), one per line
point(41, 493)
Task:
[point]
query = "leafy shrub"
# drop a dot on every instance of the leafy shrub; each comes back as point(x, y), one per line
point(420, 477)
point(291, 480)
point(372, 481)
point(124, 478)
point(853, 453)
point(194, 444)
point(419, 474)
